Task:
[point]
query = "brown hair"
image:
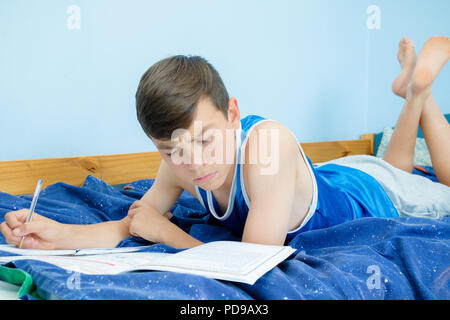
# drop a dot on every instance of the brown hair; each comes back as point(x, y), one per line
point(169, 91)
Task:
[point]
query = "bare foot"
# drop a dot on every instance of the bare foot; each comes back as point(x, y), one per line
point(432, 58)
point(407, 58)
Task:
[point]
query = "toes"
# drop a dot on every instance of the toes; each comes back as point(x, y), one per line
point(405, 41)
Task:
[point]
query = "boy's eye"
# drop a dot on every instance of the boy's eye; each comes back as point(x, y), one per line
point(205, 141)
point(171, 154)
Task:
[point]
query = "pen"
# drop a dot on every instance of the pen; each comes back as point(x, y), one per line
point(33, 205)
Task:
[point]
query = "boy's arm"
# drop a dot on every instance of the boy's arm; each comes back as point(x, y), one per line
point(100, 235)
point(272, 192)
point(44, 233)
point(109, 234)
point(150, 214)
point(149, 224)
point(165, 191)
point(161, 197)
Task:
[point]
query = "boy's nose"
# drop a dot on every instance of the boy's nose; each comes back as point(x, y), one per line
point(196, 158)
point(197, 164)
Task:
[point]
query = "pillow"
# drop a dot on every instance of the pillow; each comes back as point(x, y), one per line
point(376, 141)
point(421, 154)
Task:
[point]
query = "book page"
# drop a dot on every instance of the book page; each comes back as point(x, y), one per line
point(227, 260)
point(225, 256)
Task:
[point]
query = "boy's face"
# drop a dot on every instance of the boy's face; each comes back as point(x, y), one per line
point(204, 154)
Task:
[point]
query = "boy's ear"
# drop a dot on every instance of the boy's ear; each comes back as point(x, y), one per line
point(234, 115)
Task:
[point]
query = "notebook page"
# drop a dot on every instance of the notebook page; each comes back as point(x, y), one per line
point(35, 252)
point(225, 256)
point(98, 264)
point(231, 261)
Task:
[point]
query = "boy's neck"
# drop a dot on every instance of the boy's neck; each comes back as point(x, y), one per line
point(226, 186)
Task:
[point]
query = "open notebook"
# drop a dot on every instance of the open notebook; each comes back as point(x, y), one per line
point(225, 260)
point(70, 252)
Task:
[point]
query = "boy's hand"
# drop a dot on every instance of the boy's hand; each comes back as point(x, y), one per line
point(40, 232)
point(146, 222)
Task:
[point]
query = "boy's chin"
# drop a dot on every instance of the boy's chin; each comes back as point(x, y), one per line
point(209, 186)
point(213, 184)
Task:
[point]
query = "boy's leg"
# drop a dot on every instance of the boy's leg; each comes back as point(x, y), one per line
point(436, 131)
point(407, 58)
point(435, 127)
point(400, 151)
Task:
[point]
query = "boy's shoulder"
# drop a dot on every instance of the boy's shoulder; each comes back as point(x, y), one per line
point(272, 131)
point(254, 121)
point(273, 160)
point(269, 145)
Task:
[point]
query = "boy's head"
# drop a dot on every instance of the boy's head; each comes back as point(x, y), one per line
point(169, 91)
point(187, 93)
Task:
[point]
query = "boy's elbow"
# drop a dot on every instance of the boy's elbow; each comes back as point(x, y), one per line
point(274, 239)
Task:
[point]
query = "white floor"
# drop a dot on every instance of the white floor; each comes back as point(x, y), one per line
point(8, 291)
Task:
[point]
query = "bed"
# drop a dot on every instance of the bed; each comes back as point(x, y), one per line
point(369, 258)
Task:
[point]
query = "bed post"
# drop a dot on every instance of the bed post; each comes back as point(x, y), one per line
point(371, 138)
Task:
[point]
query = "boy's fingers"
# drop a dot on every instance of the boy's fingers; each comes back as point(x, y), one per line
point(22, 214)
point(135, 204)
point(131, 213)
point(167, 215)
point(29, 227)
point(15, 218)
point(9, 237)
point(30, 243)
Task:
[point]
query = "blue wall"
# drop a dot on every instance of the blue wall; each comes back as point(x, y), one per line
point(313, 65)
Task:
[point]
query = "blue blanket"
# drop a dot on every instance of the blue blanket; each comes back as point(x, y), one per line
point(369, 258)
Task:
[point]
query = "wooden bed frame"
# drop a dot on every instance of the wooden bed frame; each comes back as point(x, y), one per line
point(20, 177)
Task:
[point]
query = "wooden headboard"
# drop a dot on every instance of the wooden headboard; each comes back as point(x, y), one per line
point(20, 177)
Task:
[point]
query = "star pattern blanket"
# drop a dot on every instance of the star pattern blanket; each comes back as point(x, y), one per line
point(369, 258)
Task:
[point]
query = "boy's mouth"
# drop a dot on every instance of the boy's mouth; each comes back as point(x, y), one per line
point(205, 178)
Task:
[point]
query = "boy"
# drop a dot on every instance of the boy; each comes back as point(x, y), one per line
point(207, 150)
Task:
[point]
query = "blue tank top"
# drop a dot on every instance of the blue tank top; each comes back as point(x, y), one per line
point(339, 193)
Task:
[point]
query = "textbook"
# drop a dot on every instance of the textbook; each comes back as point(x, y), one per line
point(224, 260)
